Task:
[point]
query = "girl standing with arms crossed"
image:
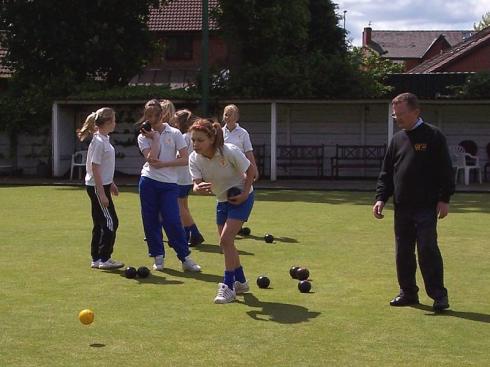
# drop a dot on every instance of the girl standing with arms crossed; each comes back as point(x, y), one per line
point(158, 186)
point(99, 183)
point(217, 167)
point(182, 120)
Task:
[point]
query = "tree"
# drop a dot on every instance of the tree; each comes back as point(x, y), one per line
point(60, 47)
point(284, 48)
point(373, 71)
point(107, 39)
point(57, 47)
point(483, 23)
point(476, 85)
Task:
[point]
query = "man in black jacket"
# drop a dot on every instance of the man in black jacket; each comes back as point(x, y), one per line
point(417, 171)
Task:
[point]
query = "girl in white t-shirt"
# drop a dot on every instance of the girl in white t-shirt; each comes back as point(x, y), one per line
point(235, 134)
point(183, 120)
point(222, 169)
point(99, 183)
point(158, 186)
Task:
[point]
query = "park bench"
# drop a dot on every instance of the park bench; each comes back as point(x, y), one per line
point(300, 156)
point(357, 156)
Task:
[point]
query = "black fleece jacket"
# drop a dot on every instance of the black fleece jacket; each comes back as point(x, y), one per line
point(417, 169)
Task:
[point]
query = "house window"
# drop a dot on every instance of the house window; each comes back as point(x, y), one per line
point(178, 48)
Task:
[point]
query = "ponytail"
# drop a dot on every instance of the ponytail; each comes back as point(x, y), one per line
point(212, 129)
point(93, 120)
point(168, 109)
point(219, 139)
point(183, 120)
point(88, 127)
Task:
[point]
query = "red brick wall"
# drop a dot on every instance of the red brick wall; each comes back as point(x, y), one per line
point(479, 60)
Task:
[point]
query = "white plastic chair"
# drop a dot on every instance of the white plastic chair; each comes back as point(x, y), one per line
point(460, 163)
point(78, 159)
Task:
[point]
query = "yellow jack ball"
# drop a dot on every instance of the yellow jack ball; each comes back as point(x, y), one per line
point(86, 317)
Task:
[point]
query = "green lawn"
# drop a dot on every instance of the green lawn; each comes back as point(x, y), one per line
point(169, 319)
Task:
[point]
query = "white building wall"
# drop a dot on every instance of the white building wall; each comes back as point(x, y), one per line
point(298, 124)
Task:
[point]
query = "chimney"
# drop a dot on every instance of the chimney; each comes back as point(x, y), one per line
point(366, 36)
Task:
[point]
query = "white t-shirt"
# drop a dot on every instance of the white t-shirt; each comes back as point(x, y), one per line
point(223, 171)
point(184, 176)
point(171, 141)
point(239, 137)
point(101, 152)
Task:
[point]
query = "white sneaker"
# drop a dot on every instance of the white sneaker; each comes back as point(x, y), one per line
point(241, 288)
point(159, 261)
point(95, 264)
point(225, 294)
point(190, 265)
point(110, 264)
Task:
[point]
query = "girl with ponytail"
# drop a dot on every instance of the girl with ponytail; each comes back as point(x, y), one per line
point(183, 120)
point(99, 181)
point(223, 170)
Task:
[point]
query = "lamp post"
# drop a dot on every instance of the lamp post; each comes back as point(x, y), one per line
point(204, 58)
point(345, 12)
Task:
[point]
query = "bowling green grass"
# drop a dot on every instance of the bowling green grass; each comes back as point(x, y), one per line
point(169, 319)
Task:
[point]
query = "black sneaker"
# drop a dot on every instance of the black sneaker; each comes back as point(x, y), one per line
point(441, 304)
point(196, 240)
point(403, 300)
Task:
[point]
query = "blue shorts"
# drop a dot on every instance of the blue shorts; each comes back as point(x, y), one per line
point(226, 210)
point(184, 190)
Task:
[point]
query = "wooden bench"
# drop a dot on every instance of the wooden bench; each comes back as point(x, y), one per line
point(357, 156)
point(300, 156)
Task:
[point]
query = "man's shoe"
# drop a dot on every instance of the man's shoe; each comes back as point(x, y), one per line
point(404, 300)
point(441, 304)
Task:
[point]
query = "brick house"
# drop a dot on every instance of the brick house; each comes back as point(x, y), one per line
point(178, 28)
point(470, 55)
point(411, 48)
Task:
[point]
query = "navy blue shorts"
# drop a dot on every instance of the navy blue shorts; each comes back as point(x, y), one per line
point(226, 210)
point(184, 190)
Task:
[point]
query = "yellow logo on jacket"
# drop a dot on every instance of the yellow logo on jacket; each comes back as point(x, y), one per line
point(422, 147)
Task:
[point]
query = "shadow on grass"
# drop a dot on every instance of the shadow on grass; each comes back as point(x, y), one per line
point(210, 278)
point(152, 278)
point(97, 345)
point(311, 196)
point(261, 239)
point(461, 202)
point(282, 313)
point(215, 249)
point(473, 316)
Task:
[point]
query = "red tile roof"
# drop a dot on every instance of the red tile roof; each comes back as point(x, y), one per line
point(180, 15)
point(436, 63)
point(410, 44)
